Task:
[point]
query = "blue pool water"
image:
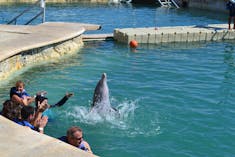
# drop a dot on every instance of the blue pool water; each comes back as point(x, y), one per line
point(174, 99)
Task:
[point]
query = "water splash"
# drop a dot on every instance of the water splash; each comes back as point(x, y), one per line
point(105, 114)
point(126, 122)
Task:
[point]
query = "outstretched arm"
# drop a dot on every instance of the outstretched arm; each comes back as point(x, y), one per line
point(63, 100)
point(23, 101)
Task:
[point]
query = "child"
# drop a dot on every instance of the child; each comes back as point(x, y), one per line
point(19, 95)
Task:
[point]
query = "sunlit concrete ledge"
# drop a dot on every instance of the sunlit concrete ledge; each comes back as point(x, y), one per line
point(23, 46)
point(21, 141)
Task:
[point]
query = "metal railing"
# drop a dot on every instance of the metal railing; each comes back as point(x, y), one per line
point(175, 4)
point(42, 12)
point(168, 3)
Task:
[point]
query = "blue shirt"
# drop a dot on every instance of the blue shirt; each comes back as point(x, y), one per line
point(25, 123)
point(18, 93)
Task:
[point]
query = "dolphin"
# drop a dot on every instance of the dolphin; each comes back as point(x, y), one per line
point(101, 96)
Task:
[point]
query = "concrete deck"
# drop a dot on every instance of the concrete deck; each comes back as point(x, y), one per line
point(157, 35)
point(95, 37)
point(22, 46)
point(21, 141)
point(17, 38)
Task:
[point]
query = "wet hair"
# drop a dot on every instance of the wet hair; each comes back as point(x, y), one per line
point(26, 111)
point(11, 110)
point(72, 130)
point(18, 83)
point(39, 98)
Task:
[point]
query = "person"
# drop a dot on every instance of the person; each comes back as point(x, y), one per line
point(231, 7)
point(74, 137)
point(19, 94)
point(40, 98)
point(11, 110)
point(32, 119)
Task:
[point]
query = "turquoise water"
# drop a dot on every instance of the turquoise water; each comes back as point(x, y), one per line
point(174, 99)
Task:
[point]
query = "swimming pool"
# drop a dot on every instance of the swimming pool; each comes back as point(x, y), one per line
point(174, 99)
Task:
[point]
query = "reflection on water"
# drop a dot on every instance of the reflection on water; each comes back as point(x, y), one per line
point(175, 45)
point(174, 99)
point(126, 15)
point(227, 88)
point(167, 96)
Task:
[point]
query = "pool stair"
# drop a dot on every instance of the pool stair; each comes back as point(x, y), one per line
point(42, 9)
point(158, 35)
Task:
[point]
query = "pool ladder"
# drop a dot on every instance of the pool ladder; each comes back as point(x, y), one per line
point(42, 12)
point(168, 3)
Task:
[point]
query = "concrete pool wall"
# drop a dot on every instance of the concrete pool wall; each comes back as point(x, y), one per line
point(21, 141)
point(25, 46)
point(38, 56)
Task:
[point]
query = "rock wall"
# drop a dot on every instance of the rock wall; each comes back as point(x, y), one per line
point(38, 56)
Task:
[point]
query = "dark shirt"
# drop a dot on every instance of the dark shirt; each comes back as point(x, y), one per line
point(61, 102)
point(81, 146)
point(230, 6)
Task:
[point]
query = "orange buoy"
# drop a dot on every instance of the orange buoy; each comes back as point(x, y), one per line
point(133, 44)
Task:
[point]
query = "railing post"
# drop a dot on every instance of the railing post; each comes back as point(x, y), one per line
point(43, 6)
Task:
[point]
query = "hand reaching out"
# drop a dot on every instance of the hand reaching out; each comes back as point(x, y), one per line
point(42, 93)
point(68, 95)
point(43, 122)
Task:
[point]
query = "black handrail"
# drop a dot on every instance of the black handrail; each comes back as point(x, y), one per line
point(40, 13)
point(26, 10)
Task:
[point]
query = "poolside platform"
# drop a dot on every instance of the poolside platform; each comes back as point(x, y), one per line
point(27, 45)
point(158, 35)
point(95, 37)
point(18, 38)
point(21, 141)
point(22, 46)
